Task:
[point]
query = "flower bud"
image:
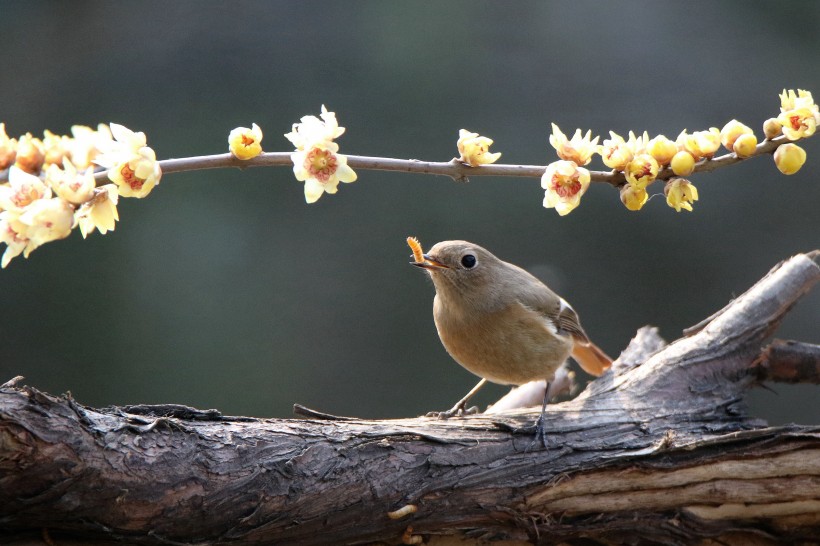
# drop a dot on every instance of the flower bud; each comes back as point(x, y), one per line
point(683, 163)
point(30, 154)
point(772, 128)
point(789, 158)
point(731, 131)
point(633, 198)
point(53, 148)
point(8, 148)
point(662, 149)
point(745, 145)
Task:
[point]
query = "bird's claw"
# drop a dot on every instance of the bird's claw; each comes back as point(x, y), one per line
point(540, 435)
point(458, 410)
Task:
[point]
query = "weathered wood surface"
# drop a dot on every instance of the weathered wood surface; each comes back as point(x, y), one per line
point(659, 450)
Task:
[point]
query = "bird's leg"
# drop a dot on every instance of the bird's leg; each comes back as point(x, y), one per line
point(461, 405)
point(540, 433)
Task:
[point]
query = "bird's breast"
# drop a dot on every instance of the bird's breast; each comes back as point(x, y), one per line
point(511, 346)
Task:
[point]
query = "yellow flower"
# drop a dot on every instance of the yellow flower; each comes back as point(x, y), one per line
point(137, 177)
point(100, 212)
point(74, 187)
point(731, 131)
point(22, 190)
point(321, 169)
point(662, 149)
point(53, 147)
point(579, 150)
point(633, 198)
point(15, 242)
point(30, 154)
point(641, 171)
point(245, 143)
point(700, 143)
point(682, 164)
point(316, 161)
point(87, 144)
point(311, 130)
point(474, 149)
point(680, 194)
point(616, 153)
point(43, 221)
point(789, 158)
point(798, 123)
point(745, 145)
point(8, 148)
point(789, 100)
point(131, 165)
point(565, 183)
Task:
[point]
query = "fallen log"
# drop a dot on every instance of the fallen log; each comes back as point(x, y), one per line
point(661, 449)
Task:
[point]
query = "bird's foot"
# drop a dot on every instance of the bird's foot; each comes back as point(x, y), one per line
point(540, 435)
point(457, 410)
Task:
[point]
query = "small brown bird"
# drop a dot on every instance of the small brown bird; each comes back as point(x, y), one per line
point(501, 323)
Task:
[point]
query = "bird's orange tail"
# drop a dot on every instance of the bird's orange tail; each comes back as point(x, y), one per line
point(592, 359)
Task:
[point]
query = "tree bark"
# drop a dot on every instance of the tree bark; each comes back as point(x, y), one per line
point(660, 450)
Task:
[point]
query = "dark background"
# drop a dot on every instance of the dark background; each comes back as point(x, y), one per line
point(224, 289)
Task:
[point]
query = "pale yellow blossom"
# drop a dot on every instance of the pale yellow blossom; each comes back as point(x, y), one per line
point(474, 149)
point(789, 100)
point(86, 144)
point(321, 169)
point(798, 123)
point(731, 131)
point(22, 190)
point(641, 171)
point(565, 183)
point(100, 212)
point(312, 130)
point(131, 164)
point(617, 152)
point(579, 149)
point(680, 194)
point(700, 143)
point(53, 148)
point(245, 143)
point(15, 242)
point(662, 149)
point(68, 183)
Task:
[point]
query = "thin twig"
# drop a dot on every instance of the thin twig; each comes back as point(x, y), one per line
point(454, 168)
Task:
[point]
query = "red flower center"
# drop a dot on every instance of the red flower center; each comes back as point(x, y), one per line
point(795, 122)
point(321, 164)
point(131, 178)
point(566, 186)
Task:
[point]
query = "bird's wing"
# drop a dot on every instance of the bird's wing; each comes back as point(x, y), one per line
point(534, 294)
point(568, 322)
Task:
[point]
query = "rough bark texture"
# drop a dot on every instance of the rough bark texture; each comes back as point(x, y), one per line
point(659, 450)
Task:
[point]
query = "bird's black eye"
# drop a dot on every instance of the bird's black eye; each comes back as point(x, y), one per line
point(468, 261)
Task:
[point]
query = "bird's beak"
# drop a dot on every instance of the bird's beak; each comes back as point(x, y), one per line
point(430, 263)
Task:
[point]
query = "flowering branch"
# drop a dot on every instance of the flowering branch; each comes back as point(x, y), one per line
point(61, 182)
point(455, 169)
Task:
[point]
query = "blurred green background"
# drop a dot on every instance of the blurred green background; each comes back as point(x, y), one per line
point(224, 289)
